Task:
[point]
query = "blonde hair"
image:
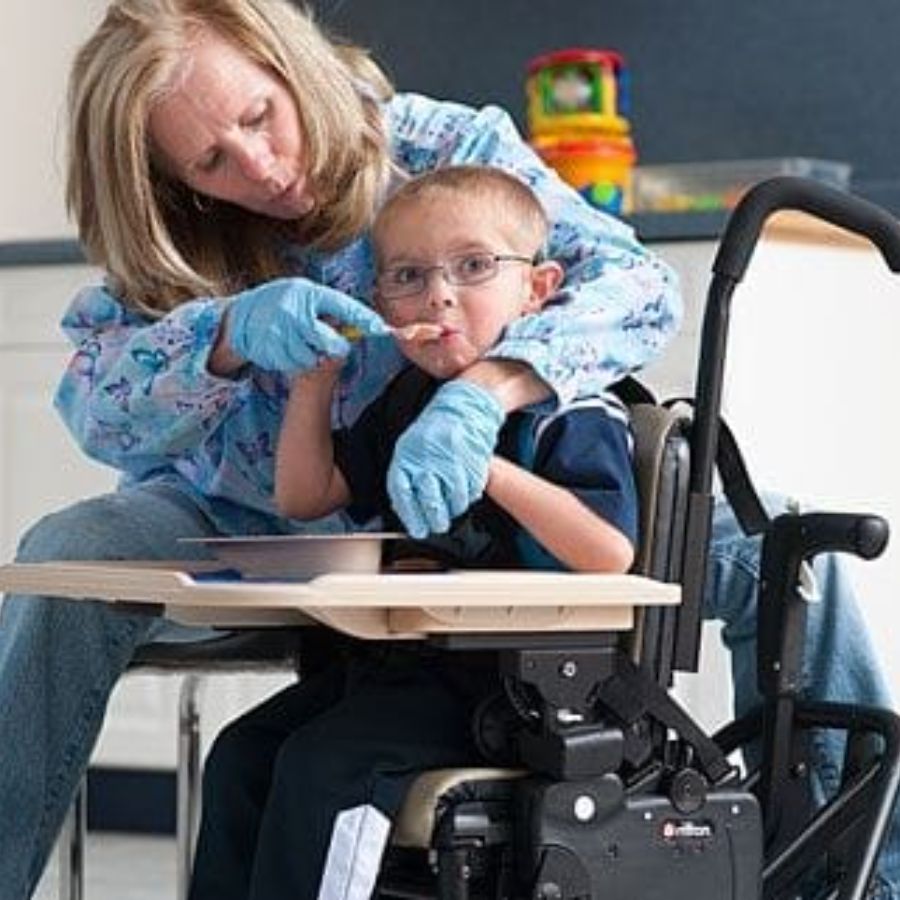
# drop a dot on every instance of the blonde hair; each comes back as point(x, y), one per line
point(507, 194)
point(144, 227)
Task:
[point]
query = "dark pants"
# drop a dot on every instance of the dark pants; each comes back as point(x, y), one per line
point(299, 793)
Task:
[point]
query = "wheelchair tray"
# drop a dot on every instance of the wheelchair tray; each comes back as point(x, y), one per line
point(371, 606)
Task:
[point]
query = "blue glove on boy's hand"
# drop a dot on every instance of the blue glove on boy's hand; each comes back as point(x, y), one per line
point(283, 325)
point(440, 463)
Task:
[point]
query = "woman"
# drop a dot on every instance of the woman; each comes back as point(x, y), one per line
point(225, 161)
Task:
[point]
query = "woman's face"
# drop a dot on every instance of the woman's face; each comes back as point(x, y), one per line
point(229, 129)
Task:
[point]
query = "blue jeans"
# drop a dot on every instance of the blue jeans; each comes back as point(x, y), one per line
point(60, 660)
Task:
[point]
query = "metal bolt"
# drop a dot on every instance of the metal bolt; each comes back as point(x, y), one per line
point(585, 808)
point(569, 669)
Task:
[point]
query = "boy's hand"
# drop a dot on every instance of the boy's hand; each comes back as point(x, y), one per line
point(440, 464)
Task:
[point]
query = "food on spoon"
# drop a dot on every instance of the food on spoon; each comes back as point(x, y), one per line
point(415, 331)
point(351, 332)
point(419, 331)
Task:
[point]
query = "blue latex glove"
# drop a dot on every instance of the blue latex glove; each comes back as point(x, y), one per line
point(440, 463)
point(289, 325)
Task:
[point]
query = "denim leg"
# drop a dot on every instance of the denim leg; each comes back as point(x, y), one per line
point(839, 660)
point(59, 661)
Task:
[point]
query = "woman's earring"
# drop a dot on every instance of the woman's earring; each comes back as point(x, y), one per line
point(201, 203)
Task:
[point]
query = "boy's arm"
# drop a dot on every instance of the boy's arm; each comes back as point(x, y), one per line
point(308, 484)
point(558, 520)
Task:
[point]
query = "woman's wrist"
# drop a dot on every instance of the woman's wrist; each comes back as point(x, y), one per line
point(514, 384)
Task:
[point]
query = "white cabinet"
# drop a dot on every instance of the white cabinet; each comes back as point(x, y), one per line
point(40, 467)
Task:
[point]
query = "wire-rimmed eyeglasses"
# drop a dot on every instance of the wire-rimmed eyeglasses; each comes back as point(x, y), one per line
point(464, 270)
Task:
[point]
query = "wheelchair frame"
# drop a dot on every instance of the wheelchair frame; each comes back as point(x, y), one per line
point(622, 794)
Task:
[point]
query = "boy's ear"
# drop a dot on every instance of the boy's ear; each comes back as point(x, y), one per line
point(546, 277)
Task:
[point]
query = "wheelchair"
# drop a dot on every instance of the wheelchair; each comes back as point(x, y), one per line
point(606, 789)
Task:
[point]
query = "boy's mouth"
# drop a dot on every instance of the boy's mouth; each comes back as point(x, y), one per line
point(422, 332)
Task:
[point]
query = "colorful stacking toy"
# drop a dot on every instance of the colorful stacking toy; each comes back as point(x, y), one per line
point(577, 106)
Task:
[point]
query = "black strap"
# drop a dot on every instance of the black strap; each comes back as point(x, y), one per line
point(631, 694)
point(737, 484)
point(632, 392)
point(736, 481)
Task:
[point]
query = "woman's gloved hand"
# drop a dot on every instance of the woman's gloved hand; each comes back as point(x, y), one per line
point(290, 324)
point(440, 464)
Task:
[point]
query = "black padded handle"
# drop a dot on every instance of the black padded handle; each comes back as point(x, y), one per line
point(786, 192)
point(807, 535)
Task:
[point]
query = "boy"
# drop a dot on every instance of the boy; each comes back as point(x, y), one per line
point(458, 256)
point(299, 793)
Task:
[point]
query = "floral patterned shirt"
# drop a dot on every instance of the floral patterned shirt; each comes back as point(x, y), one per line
point(137, 394)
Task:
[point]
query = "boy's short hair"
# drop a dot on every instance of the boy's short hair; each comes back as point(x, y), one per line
point(511, 194)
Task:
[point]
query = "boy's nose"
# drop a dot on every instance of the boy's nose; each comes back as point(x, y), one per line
point(439, 293)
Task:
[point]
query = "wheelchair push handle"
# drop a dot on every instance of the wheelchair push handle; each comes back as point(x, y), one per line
point(807, 535)
point(796, 538)
point(788, 192)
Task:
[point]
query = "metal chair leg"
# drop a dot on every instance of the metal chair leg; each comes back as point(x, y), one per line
point(72, 841)
point(188, 782)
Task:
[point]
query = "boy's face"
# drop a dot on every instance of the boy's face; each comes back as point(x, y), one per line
point(461, 233)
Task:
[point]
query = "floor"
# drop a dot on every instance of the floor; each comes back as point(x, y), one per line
point(121, 867)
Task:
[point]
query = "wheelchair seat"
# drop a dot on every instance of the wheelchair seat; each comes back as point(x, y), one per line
point(448, 811)
point(616, 792)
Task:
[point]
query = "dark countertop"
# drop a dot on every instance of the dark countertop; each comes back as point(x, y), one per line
point(48, 252)
point(650, 227)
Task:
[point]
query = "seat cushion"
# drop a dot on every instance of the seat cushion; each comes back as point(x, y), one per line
point(415, 822)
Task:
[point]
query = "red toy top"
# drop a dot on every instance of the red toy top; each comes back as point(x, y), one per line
point(576, 55)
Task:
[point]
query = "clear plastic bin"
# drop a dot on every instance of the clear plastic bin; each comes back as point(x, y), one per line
point(719, 184)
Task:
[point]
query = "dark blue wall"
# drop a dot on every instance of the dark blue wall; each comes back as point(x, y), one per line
point(711, 79)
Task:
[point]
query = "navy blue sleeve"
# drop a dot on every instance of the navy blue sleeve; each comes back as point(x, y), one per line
point(586, 451)
point(361, 457)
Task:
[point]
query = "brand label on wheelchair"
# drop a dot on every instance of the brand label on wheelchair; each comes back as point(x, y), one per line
point(687, 831)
